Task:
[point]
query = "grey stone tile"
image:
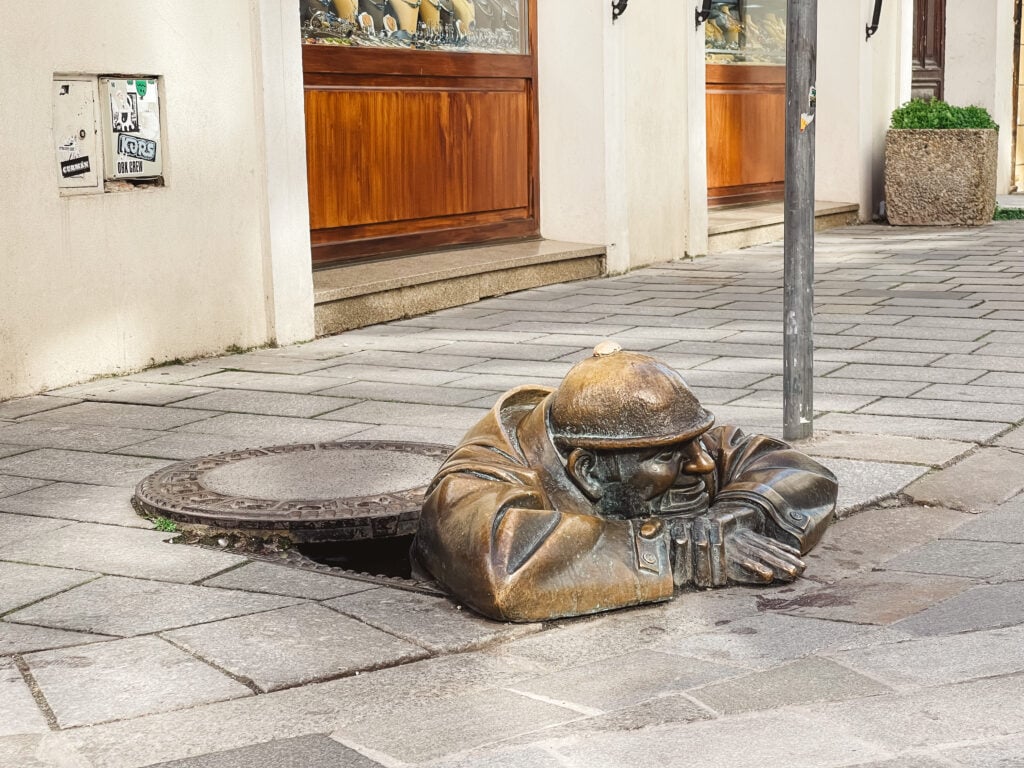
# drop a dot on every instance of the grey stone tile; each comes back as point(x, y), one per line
point(945, 409)
point(887, 448)
point(121, 415)
point(998, 753)
point(181, 446)
point(264, 362)
point(1003, 524)
point(943, 346)
point(408, 414)
point(434, 623)
point(11, 450)
point(498, 382)
point(267, 382)
point(526, 368)
point(299, 752)
point(434, 729)
point(133, 392)
point(972, 393)
point(1012, 439)
point(26, 406)
point(906, 426)
point(349, 372)
point(984, 607)
point(865, 482)
point(18, 711)
point(765, 640)
point(992, 561)
point(24, 584)
point(834, 385)
point(408, 393)
point(120, 552)
point(72, 436)
point(126, 607)
point(437, 436)
point(501, 351)
point(265, 403)
point(623, 681)
point(822, 401)
point(1000, 379)
point(869, 357)
point(10, 484)
point(176, 373)
point(22, 638)
point(433, 361)
point(79, 467)
point(269, 650)
point(872, 598)
point(804, 681)
point(984, 363)
point(941, 660)
point(15, 529)
point(73, 501)
point(918, 332)
point(283, 580)
point(669, 709)
point(981, 481)
point(274, 430)
point(125, 678)
point(929, 374)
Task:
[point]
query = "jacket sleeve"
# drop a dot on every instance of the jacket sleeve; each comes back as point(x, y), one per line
point(797, 493)
point(492, 539)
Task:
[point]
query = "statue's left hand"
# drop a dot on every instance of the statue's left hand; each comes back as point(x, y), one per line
point(745, 554)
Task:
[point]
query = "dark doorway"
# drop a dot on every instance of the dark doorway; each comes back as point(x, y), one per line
point(929, 48)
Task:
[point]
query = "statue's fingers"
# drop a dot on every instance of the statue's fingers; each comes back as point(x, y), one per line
point(786, 567)
point(759, 571)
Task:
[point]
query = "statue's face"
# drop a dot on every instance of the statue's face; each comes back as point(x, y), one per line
point(667, 480)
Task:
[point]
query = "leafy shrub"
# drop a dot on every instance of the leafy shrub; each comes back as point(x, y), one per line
point(933, 113)
point(1008, 214)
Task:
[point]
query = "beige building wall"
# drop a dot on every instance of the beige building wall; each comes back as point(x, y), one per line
point(107, 283)
point(1019, 153)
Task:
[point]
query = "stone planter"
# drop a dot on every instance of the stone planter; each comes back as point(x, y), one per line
point(940, 177)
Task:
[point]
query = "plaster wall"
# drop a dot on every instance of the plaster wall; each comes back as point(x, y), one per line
point(979, 67)
point(106, 283)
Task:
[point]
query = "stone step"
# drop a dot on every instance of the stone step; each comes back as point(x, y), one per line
point(355, 295)
point(742, 226)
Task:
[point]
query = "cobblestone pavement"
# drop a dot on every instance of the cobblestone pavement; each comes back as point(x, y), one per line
point(904, 646)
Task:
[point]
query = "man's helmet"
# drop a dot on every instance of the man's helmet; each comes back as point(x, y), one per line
point(618, 399)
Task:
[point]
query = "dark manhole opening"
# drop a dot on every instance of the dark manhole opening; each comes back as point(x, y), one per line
point(373, 557)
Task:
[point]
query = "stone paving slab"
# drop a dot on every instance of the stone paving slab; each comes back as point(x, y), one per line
point(886, 448)
point(17, 528)
point(351, 372)
point(408, 393)
point(1004, 524)
point(802, 682)
point(981, 481)
point(125, 678)
point(866, 386)
point(265, 403)
point(26, 406)
point(866, 482)
point(299, 752)
point(973, 393)
point(267, 382)
point(929, 374)
point(907, 426)
point(945, 409)
point(624, 681)
point(24, 584)
point(119, 552)
point(70, 436)
point(941, 660)
point(434, 729)
point(434, 623)
point(185, 446)
point(78, 467)
point(11, 450)
point(121, 415)
point(983, 607)
point(262, 361)
point(407, 414)
point(998, 753)
point(291, 582)
point(125, 607)
point(992, 561)
point(133, 392)
point(267, 649)
point(11, 484)
point(873, 597)
point(22, 638)
point(274, 430)
point(18, 711)
point(74, 501)
point(1014, 438)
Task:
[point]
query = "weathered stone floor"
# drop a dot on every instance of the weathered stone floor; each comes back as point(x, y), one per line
point(903, 647)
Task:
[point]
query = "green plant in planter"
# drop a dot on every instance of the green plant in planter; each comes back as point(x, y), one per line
point(940, 165)
point(921, 114)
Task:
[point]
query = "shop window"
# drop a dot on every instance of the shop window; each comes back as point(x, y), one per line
point(745, 32)
point(470, 26)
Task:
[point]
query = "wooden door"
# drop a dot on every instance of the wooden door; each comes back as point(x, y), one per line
point(929, 49)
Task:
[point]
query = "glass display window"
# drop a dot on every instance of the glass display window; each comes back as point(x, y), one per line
point(746, 32)
point(471, 26)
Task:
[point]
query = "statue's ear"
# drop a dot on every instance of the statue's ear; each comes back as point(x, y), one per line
point(582, 467)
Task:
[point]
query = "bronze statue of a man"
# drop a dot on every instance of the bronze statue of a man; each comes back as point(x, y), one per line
point(614, 490)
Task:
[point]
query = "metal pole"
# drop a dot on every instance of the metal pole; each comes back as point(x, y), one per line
point(798, 300)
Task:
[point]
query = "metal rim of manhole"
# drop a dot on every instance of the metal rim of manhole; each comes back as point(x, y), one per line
point(190, 492)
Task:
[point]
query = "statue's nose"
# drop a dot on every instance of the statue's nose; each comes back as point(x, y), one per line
point(699, 463)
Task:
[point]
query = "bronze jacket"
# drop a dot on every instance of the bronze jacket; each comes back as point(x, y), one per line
point(506, 530)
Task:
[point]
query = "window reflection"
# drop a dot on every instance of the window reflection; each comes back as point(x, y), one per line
point(746, 32)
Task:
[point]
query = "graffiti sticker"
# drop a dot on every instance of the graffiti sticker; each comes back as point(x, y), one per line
point(124, 111)
point(136, 146)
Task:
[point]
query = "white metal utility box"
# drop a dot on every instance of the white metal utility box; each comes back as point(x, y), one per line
point(130, 116)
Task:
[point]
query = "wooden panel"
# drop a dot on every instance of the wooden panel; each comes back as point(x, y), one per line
point(746, 132)
point(929, 52)
point(402, 155)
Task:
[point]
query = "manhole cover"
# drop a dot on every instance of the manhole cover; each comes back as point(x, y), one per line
point(311, 492)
